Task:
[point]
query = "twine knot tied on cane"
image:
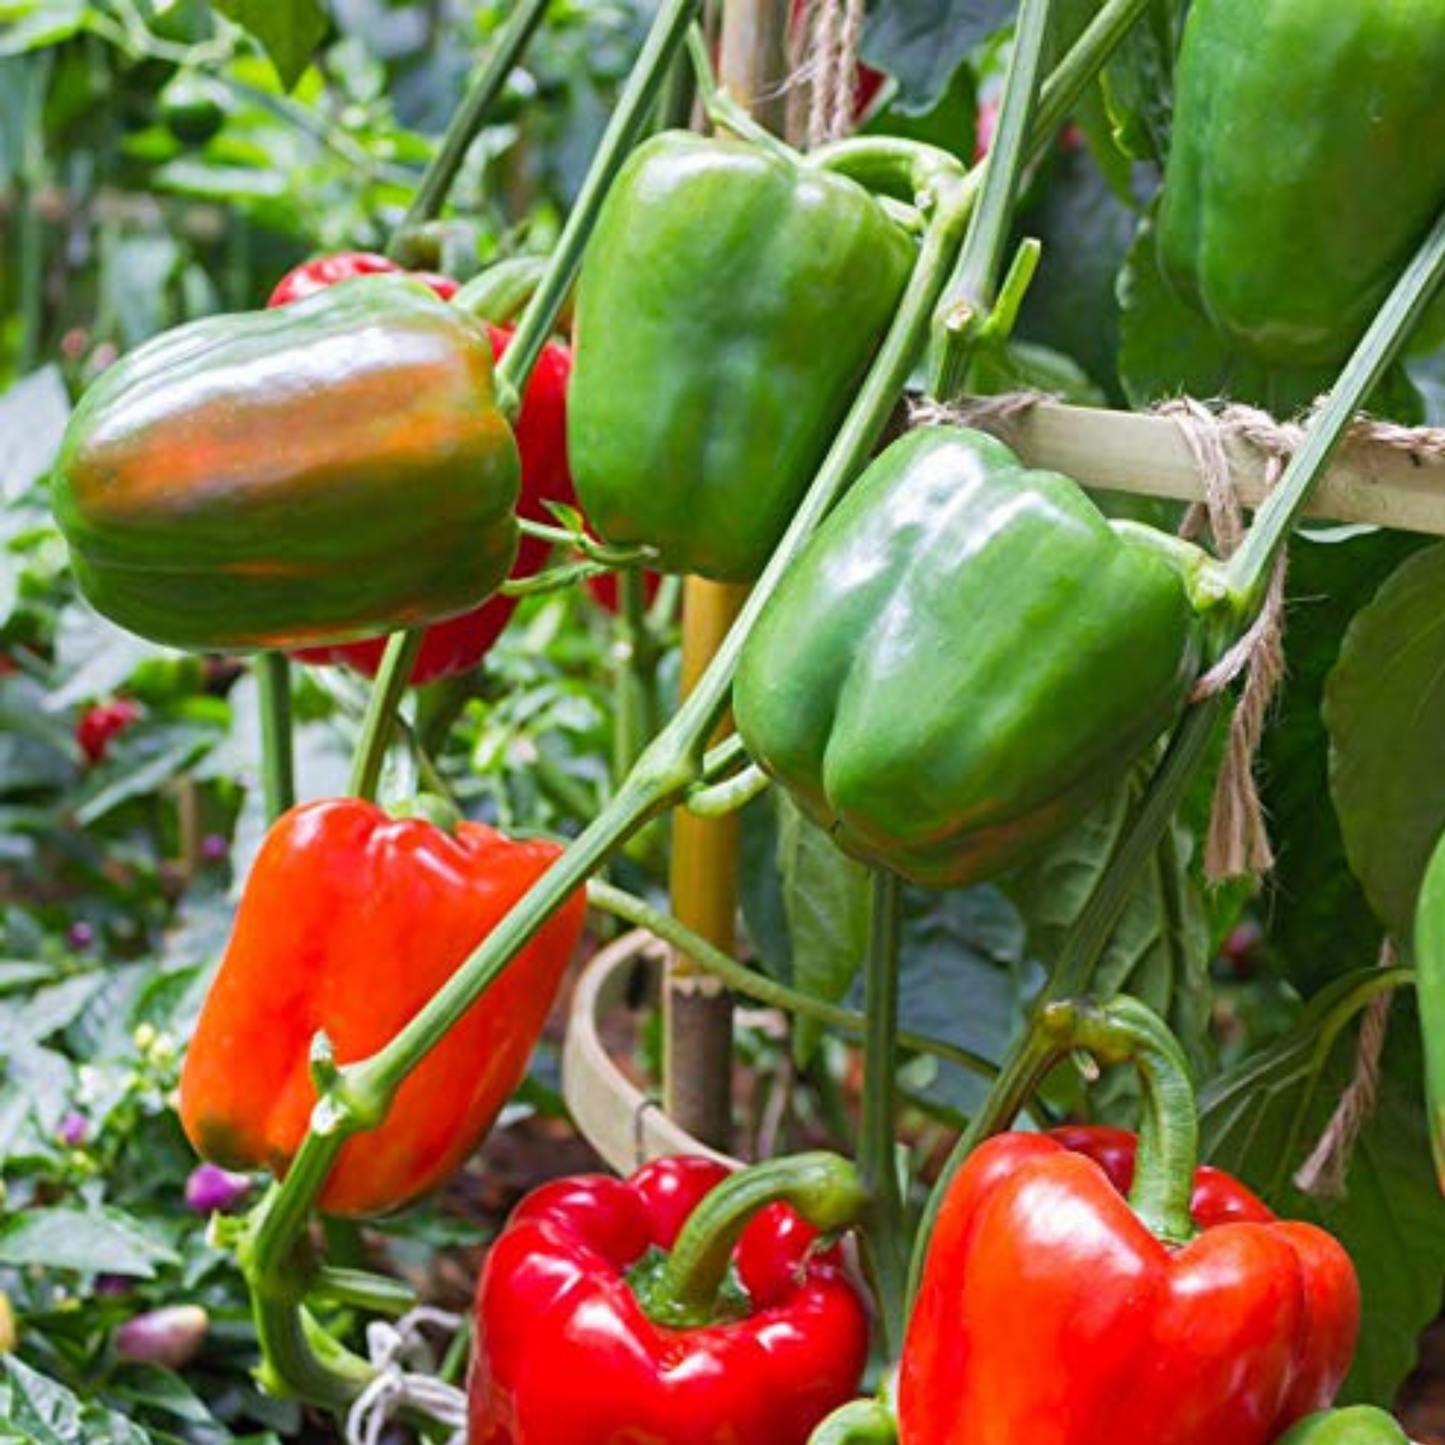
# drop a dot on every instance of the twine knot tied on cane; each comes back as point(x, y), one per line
point(392, 1348)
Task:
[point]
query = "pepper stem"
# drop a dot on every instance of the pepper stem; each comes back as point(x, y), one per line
point(1127, 1031)
point(469, 119)
point(278, 769)
point(824, 1189)
point(629, 121)
point(971, 292)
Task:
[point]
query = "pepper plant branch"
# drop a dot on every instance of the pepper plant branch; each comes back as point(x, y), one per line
point(386, 693)
point(278, 778)
point(1249, 569)
point(634, 112)
point(885, 1237)
point(717, 800)
point(635, 681)
point(972, 287)
point(759, 987)
point(470, 117)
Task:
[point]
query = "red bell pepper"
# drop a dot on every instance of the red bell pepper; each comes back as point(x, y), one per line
point(587, 1332)
point(1054, 1311)
point(350, 922)
point(459, 643)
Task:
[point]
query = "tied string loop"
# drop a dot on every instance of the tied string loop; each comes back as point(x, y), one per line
point(1324, 1173)
point(392, 1348)
point(1238, 841)
point(824, 61)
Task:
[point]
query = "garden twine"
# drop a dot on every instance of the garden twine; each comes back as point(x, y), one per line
point(1325, 1171)
point(824, 65)
point(391, 1348)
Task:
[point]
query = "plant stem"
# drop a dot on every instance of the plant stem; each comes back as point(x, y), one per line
point(1026, 1068)
point(824, 1189)
point(431, 194)
point(635, 683)
point(885, 1239)
point(278, 773)
point(974, 284)
point(762, 989)
point(634, 111)
point(1248, 571)
point(377, 726)
point(717, 800)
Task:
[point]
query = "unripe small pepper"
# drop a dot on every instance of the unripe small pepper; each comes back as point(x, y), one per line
point(966, 657)
point(729, 302)
point(350, 922)
point(317, 473)
point(1357, 1425)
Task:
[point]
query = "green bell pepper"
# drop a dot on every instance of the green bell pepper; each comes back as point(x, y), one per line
point(1305, 166)
point(1358, 1425)
point(966, 657)
point(324, 471)
point(729, 301)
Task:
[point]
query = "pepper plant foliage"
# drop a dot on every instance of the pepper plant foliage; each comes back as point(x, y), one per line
point(160, 162)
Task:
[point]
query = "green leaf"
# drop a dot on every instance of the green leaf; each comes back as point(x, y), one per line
point(50, 1009)
point(923, 42)
point(1260, 1121)
point(1139, 83)
point(1320, 924)
point(36, 1410)
point(826, 901)
point(1385, 711)
point(33, 414)
point(289, 30)
point(30, 24)
point(91, 1241)
point(1159, 951)
point(169, 752)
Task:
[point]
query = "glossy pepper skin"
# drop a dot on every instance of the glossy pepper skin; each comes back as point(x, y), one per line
point(350, 922)
point(459, 643)
point(965, 657)
point(563, 1352)
point(1358, 1425)
point(1305, 166)
point(729, 302)
point(1049, 1313)
point(312, 474)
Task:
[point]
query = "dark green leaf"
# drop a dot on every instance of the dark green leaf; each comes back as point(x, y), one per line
point(1139, 83)
point(1261, 1120)
point(170, 752)
point(1159, 951)
point(1320, 925)
point(826, 899)
point(92, 1241)
point(923, 42)
point(289, 30)
point(1385, 711)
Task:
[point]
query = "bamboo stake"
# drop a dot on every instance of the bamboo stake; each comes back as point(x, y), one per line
point(697, 1010)
point(1383, 486)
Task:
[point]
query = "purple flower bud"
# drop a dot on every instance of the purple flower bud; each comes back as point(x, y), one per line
point(82, 935)
point(73, 1129)
point(211, 1188)
point(214, 847)
point(171, 1336)
point(113, 1284)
